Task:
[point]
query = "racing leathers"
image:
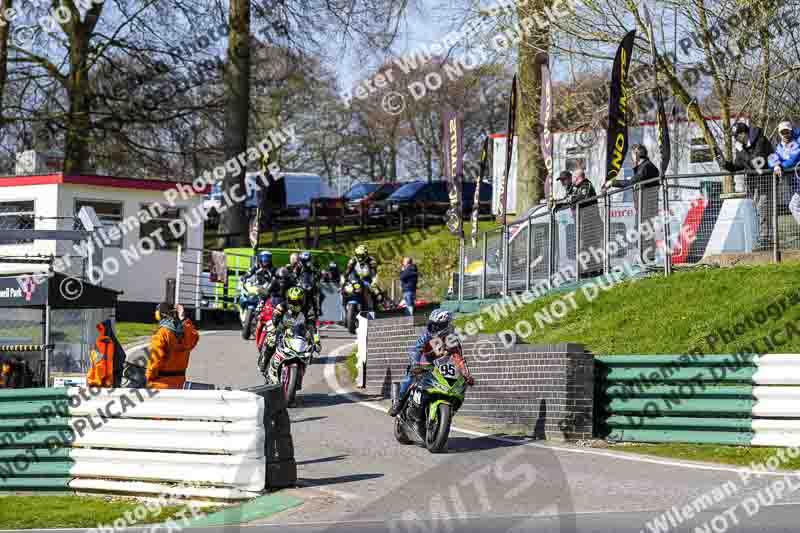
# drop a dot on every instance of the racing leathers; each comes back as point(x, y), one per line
point(277, 288)
point(366, 271)
point(282, 317)
point(308, 278)
point(429, 347)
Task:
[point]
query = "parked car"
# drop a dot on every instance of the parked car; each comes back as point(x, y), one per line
point(364, 195)
point(417, 197)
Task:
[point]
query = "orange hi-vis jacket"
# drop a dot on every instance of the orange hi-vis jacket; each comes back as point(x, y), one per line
point(101, 370)
point(169, 357)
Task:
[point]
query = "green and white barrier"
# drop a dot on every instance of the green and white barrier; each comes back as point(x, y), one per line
point(738, 399)
point(137, 441)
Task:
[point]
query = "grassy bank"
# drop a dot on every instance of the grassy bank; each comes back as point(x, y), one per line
point(733, 455)
point(434, 249)
point(669, 315)
point(33, 512)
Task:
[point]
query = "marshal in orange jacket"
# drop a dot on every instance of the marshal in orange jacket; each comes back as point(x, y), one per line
point(101, 369)
point(169, 354)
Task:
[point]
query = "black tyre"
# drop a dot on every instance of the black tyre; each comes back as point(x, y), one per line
point(400, 432)
point(289, 383)
point(350, 317)
point(247, 324)
point(439, 431)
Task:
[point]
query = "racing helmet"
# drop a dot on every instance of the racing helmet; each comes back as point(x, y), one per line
point(295, 297)
point(305, 258)
point(440, 323)
point(264, 258)
point(362, 252)
point(333, 267)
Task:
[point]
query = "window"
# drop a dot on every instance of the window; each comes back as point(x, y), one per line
point(152, 227)
point(110, 215)
point(17, 215)
point(576, 158)
point(699, 151)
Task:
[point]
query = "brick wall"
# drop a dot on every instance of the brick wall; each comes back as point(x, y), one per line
point(546, 388)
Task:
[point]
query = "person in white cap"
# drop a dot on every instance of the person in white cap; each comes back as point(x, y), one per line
point(786, 157)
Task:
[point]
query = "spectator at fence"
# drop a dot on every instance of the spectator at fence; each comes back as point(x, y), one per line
point(170, 348)
point(645, 198)
point(565, 178)
point(753, 150)
point(787, 156)
point(408, 282)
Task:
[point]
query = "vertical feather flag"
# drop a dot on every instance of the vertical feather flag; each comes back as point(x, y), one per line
point(512, 115)
point(453, 143)
point(664, 146)
point(476, 203)
point(546, 114)
point(617, 143)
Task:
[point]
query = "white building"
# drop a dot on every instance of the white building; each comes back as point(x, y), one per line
point(587, 149)
point(119, 203)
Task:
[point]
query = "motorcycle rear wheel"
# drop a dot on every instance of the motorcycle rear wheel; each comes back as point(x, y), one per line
point(438, 432)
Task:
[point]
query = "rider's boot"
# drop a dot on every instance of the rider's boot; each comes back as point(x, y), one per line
point(397, 406)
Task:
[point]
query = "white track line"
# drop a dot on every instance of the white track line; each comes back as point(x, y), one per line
point(333, 382)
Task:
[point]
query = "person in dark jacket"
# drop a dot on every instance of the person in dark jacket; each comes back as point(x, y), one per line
point(752, 155)
point(408, 282)
point(645, 198)
point(565, 178)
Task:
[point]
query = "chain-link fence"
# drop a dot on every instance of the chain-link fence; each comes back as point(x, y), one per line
point(652, 225)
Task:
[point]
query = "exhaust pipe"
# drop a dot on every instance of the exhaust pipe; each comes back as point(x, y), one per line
point(395, 392)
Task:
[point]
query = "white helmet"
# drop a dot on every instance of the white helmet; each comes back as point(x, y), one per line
point(440, 322)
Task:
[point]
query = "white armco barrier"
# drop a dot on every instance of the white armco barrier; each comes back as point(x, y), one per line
point(148, 441)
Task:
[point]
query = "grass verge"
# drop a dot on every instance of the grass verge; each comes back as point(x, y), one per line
point(129, 331)
point(673, 315)
point(352, 365)
point(713, 453)
point(33, 512)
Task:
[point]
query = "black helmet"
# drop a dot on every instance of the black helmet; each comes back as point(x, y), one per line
point(332, 266)
point(740, 127)
point(282, 273)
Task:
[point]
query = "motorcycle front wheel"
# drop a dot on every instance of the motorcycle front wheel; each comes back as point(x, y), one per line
point(439, 430)
point(289, 383)
point(247, 324)
point(400, 432)
point(350, 317)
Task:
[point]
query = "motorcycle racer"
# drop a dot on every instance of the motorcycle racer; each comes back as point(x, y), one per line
point(437, 339)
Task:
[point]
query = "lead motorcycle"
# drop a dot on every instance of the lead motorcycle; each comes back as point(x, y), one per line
point(293, 353)
point(436, 394)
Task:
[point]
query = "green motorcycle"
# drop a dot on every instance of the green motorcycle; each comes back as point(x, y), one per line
point(435, 396)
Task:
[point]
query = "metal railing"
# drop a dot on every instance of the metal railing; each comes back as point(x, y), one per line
point(653, 225)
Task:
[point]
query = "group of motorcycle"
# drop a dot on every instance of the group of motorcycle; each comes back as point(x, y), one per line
point(294, 349)
point(436, 393)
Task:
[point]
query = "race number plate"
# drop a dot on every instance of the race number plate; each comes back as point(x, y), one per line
point(447, 367)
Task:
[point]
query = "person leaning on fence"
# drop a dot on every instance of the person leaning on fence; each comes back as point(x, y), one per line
point(565, 178)
point(169, 350)
point(786, 157)
point(752, 154)
point(645, 199)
